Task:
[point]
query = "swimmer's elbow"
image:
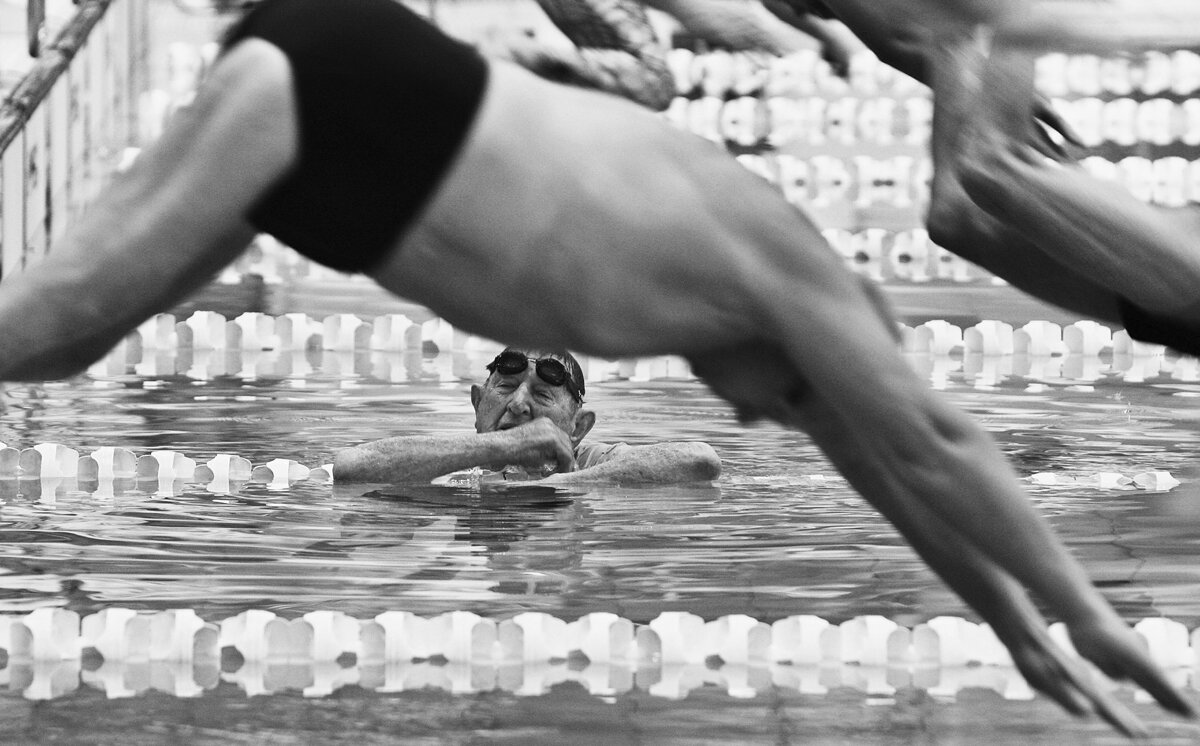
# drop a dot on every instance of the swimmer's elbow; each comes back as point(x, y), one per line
point(708, 463)
point(937, 448)
point(698, 462)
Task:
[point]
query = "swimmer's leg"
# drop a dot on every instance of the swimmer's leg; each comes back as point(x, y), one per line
point(960, 225)
point(1145, 253)
point(160, 230)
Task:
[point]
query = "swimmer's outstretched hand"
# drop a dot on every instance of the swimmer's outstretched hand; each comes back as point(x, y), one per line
point(1052, 671)
point(1109, 644)
point(1121, 654)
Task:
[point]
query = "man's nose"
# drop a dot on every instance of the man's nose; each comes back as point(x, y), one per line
point(521, 400)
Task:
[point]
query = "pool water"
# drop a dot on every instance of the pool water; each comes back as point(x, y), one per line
point(780, 534)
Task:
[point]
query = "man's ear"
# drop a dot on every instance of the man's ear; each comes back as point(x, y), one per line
point(585, 419)
point(476, 395)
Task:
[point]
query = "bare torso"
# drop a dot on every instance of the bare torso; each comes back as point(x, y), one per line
point(524, 207)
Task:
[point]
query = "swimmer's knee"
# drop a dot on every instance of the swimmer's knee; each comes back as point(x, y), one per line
point(949, 220)
point(958, 218)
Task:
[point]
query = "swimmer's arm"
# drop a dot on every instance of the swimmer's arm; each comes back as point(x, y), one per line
point(934, 468)
point(908, 448)
point(657, 463)
point(755, 378)
point(420, 458)
point(936, 459)
point(1048, 667)
point(1005, 604)
point(159, 231)
point(911, 454)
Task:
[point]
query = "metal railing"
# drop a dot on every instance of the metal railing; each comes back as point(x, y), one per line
point(64, 125)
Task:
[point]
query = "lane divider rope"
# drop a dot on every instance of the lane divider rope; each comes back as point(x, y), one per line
point(108, 470)
point(207, 345)
point(461, 652)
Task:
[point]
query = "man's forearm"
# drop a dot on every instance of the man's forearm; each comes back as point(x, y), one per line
point(416, 458)
point(659, 463)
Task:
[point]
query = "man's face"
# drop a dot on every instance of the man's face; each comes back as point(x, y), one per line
point(505, 401)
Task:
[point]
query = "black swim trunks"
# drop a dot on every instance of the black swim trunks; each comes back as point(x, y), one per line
point(385, 101)
point(1181, 336)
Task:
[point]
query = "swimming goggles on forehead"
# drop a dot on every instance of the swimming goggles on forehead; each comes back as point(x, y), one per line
point(551, 370)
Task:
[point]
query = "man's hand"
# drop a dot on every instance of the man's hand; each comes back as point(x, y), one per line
point(537, 444)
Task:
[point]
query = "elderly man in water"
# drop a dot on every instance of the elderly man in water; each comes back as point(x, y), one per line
point(529, 424)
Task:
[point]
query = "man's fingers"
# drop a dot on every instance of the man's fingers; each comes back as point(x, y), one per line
point(564, 452)
point(566, 459)
point(540, 442)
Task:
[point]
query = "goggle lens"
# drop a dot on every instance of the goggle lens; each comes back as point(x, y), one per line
point(548, 369)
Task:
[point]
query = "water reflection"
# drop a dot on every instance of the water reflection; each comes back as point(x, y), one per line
point(779, 534)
